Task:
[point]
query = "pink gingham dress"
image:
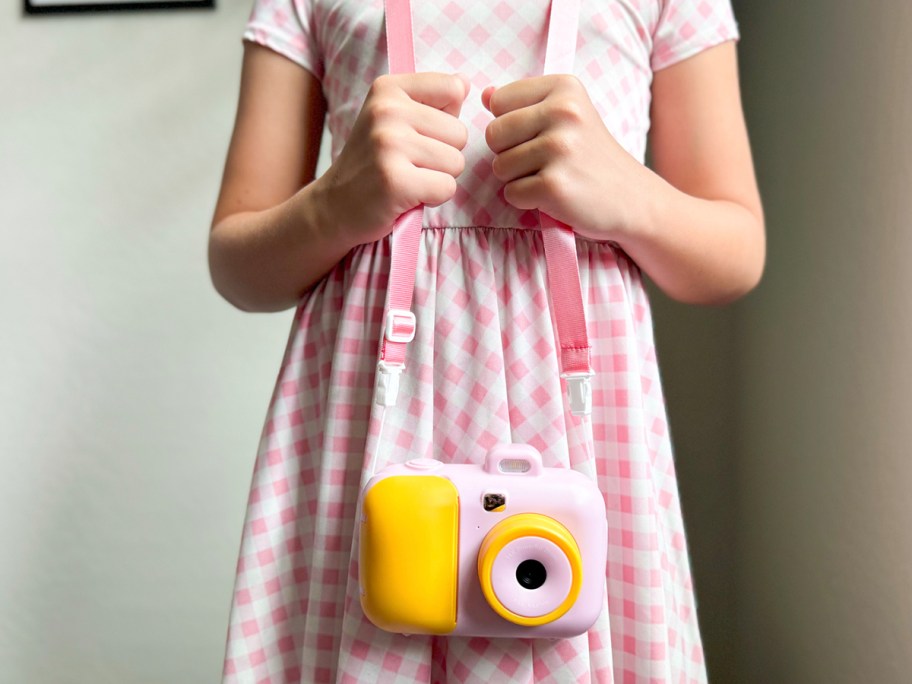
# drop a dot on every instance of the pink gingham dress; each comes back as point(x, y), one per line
point(482, 369)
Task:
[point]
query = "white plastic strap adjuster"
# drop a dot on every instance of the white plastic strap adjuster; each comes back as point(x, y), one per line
point(579, 392)
point(387, 388)
point(394, 320)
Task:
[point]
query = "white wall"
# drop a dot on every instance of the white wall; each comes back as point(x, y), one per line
point(132, 396)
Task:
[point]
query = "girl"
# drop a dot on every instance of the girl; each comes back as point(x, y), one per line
point(484, 141)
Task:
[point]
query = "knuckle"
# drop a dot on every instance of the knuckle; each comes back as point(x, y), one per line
point(380, 85)
point(558, 144)
point(463, 136)
point(457, 164)
point(449, 186)
point(441, 190)
point(492, 134)
point(382, 109)
point(454, 88)
point(570, 82)
point(514, 196)
point(566, 110)
point(497, 167)
point(508, 194)
point(383, 139)
point(551, 183)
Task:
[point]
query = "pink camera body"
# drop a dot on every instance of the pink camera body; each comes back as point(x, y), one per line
point(505, 549)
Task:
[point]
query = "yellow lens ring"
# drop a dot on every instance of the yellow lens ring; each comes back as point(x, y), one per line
point(517, 527)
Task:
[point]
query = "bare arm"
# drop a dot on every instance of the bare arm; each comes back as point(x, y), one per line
point(277, 231)
point(701, 236)
point(269, 241)
point(695, 224)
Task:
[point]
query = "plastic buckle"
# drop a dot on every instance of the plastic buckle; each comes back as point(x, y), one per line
point(391, 323)
point(579, 392)
point(387, 389)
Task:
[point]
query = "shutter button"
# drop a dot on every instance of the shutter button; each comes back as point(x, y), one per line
point(423, 464)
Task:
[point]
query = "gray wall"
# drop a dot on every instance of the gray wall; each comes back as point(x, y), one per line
point(824, 569)
point(795, 465)
point(132, 396)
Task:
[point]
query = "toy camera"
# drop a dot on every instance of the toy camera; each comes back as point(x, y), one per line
point(510, 548)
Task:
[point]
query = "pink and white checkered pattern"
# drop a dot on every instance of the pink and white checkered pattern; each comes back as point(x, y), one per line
point(482, 369)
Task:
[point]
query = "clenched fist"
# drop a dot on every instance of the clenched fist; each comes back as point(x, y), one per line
point(405, 149)
point(554, 153)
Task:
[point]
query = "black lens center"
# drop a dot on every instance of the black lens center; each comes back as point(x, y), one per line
point(531, 574)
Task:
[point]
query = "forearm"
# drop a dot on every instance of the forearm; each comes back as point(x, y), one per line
point(266, 260)
point(697, 251)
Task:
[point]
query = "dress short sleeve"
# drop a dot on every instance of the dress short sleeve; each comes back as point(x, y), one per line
point(686, 27)
point(286, 26)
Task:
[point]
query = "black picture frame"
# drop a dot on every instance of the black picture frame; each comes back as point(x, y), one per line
point(82, 6)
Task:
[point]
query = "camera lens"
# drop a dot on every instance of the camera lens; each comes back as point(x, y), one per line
point(530, 569)
point(531, 574)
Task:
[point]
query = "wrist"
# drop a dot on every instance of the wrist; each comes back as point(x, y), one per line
point(323, 214)
point(648, 209)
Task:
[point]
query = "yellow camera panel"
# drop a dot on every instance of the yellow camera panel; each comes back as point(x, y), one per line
point(409, 554)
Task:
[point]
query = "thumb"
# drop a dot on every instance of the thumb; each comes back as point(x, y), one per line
point(486, 97)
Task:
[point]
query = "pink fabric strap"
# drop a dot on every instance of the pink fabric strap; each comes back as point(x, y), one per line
point(407, 231)
point(559, 239)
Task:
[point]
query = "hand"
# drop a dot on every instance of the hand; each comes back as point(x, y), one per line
point(405, 149)
point(554, 154)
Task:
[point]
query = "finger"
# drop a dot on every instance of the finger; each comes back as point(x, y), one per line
point(428, 153)
point(435, 187)
point(522, 93)
point(515, 128)
point(524, 160)
point(439, 125)
point(441, 91)
point(524, 193)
